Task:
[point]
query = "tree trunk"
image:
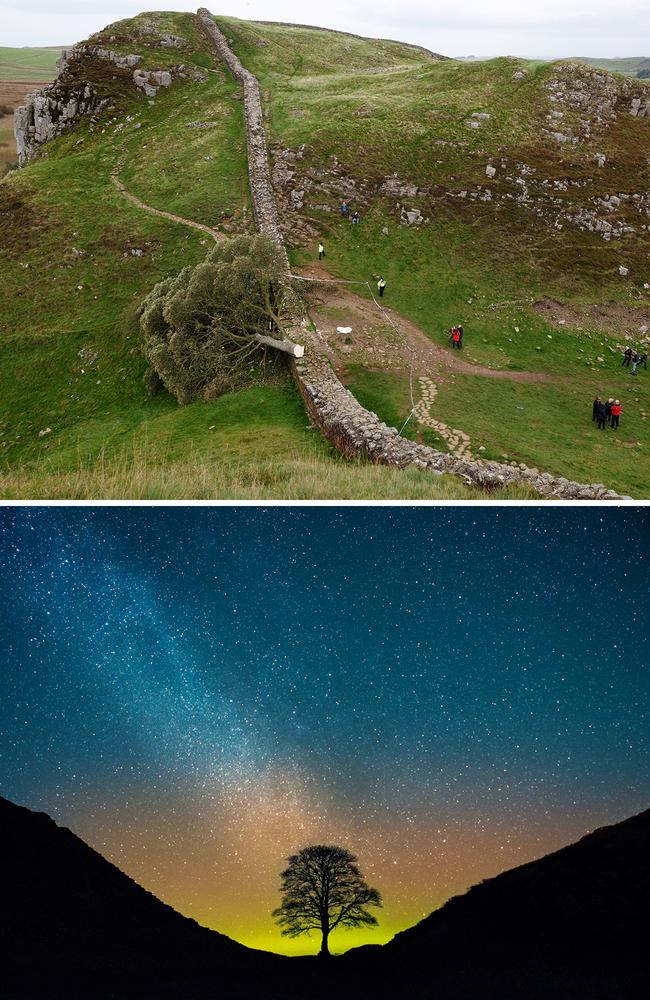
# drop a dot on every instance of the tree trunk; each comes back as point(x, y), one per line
point(288, 346)
point(324, 950)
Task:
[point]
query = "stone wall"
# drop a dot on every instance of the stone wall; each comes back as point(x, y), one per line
point(353, 430)
point(264, 207)
point(356, 432)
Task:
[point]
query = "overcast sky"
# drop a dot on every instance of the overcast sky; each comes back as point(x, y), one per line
point(538, 28)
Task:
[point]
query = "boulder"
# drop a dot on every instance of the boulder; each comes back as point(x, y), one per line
point(412, 216)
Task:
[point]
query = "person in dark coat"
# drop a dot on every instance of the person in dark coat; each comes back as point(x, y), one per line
point(616, 413)
point(627, 357)
point(602, 416)
point(644, 360)
point(594, 409)
point(635, 361)
point(608, 408)
point(460, 338)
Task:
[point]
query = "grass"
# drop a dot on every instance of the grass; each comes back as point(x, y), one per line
point(141, 476)
point(76, 258)
point(31, 64)
point(197, 173)
point(483, 263)
point(531, 426)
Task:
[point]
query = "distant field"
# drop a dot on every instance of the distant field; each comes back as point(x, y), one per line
point(28, 64)
point(11, 96)
point(21, 71)
point(630, 67)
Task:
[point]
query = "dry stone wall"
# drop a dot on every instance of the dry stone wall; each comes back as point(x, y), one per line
point(358, 433)
point(264, 208)
point(353, 430)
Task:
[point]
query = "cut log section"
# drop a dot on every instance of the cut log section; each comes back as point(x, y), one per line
point(288, 346)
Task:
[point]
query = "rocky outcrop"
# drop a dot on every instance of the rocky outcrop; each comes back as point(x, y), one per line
point(152, 80)
point(95, 51)
point(50, 111)
point(354, 431)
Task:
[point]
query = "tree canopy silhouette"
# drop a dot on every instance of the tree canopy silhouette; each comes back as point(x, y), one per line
point(323, 889)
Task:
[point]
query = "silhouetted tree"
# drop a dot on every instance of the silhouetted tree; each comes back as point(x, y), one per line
point(323, 889)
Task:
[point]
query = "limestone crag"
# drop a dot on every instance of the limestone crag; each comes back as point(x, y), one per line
point(263, 199)
point(557, 202)
point(52, 110)
point(48, 113)
point(151, 80)
point(84, 50)
point(584, 101)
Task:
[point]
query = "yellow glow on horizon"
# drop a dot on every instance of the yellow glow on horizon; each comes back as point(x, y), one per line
point(219, 860)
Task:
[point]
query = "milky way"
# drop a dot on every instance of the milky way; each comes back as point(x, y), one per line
point(446, 691)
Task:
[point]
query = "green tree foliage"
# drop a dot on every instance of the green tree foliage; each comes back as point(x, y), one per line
point(201, 326)
point(322, 889)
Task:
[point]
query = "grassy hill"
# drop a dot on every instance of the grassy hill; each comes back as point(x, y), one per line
point(486, 263)
point(630, 66)
point(78, 258)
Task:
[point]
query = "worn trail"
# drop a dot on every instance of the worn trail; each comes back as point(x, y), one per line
point(427, 354)
point(214, 233)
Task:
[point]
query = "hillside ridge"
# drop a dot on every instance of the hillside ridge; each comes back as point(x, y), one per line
point(568, 924)
point(509, 194)
point(353, 430)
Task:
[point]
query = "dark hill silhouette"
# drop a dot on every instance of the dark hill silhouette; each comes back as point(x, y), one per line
point(573, 924)
point(72, 924)
point(570, 926)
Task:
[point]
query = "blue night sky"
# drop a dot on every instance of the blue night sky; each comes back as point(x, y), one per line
point(448, 692)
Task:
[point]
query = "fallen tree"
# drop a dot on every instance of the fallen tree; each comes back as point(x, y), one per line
point(202, 326)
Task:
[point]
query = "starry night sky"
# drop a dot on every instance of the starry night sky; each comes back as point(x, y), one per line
point(448, 692)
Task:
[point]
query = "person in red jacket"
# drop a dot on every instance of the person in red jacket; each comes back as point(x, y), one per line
point(616, 413)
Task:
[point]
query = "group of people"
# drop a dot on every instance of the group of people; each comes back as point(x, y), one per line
point(456, 337)
point(344, 209)
point(632, 358)
point(606, 412)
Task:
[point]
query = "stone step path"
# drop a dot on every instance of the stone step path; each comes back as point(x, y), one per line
point(457, 440)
